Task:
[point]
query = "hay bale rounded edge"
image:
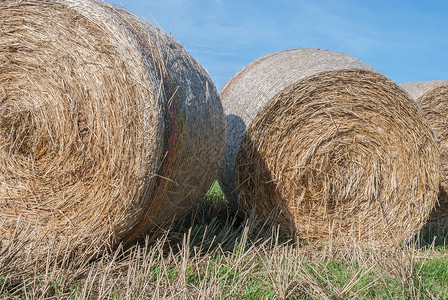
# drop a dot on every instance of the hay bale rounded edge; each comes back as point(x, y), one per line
point(337, 148)
point(432, 97)
point(109, 128)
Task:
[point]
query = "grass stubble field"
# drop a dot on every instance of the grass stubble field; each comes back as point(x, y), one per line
point(214, 253)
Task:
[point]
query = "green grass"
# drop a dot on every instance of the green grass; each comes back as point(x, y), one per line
point(435, 269)
point(214, 191)
point(215, 254)
point(434, 273)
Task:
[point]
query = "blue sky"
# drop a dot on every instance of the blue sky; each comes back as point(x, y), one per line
point(405, 40)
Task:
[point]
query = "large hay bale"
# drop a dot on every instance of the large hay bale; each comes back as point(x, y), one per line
point(108, 129)
point(432, 97)
point(335, 146)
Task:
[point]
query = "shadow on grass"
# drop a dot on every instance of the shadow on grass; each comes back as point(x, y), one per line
point(213, 225)
point(435, 232)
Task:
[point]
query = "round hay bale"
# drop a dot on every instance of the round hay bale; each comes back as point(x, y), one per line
point(108, 127)
point(337, 148)
point(432, 97)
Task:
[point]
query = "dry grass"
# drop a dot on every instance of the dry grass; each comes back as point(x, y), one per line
point(108, 127)
point(432, 97)
point(340, 150)
point(215, 254)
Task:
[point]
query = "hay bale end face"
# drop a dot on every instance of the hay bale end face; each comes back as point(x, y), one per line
point(432, 97)
point(109, 129)
point(336, 147)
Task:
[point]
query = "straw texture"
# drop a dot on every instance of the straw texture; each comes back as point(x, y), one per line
point(108, 129)
point(432, 97)
point(335, 146)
